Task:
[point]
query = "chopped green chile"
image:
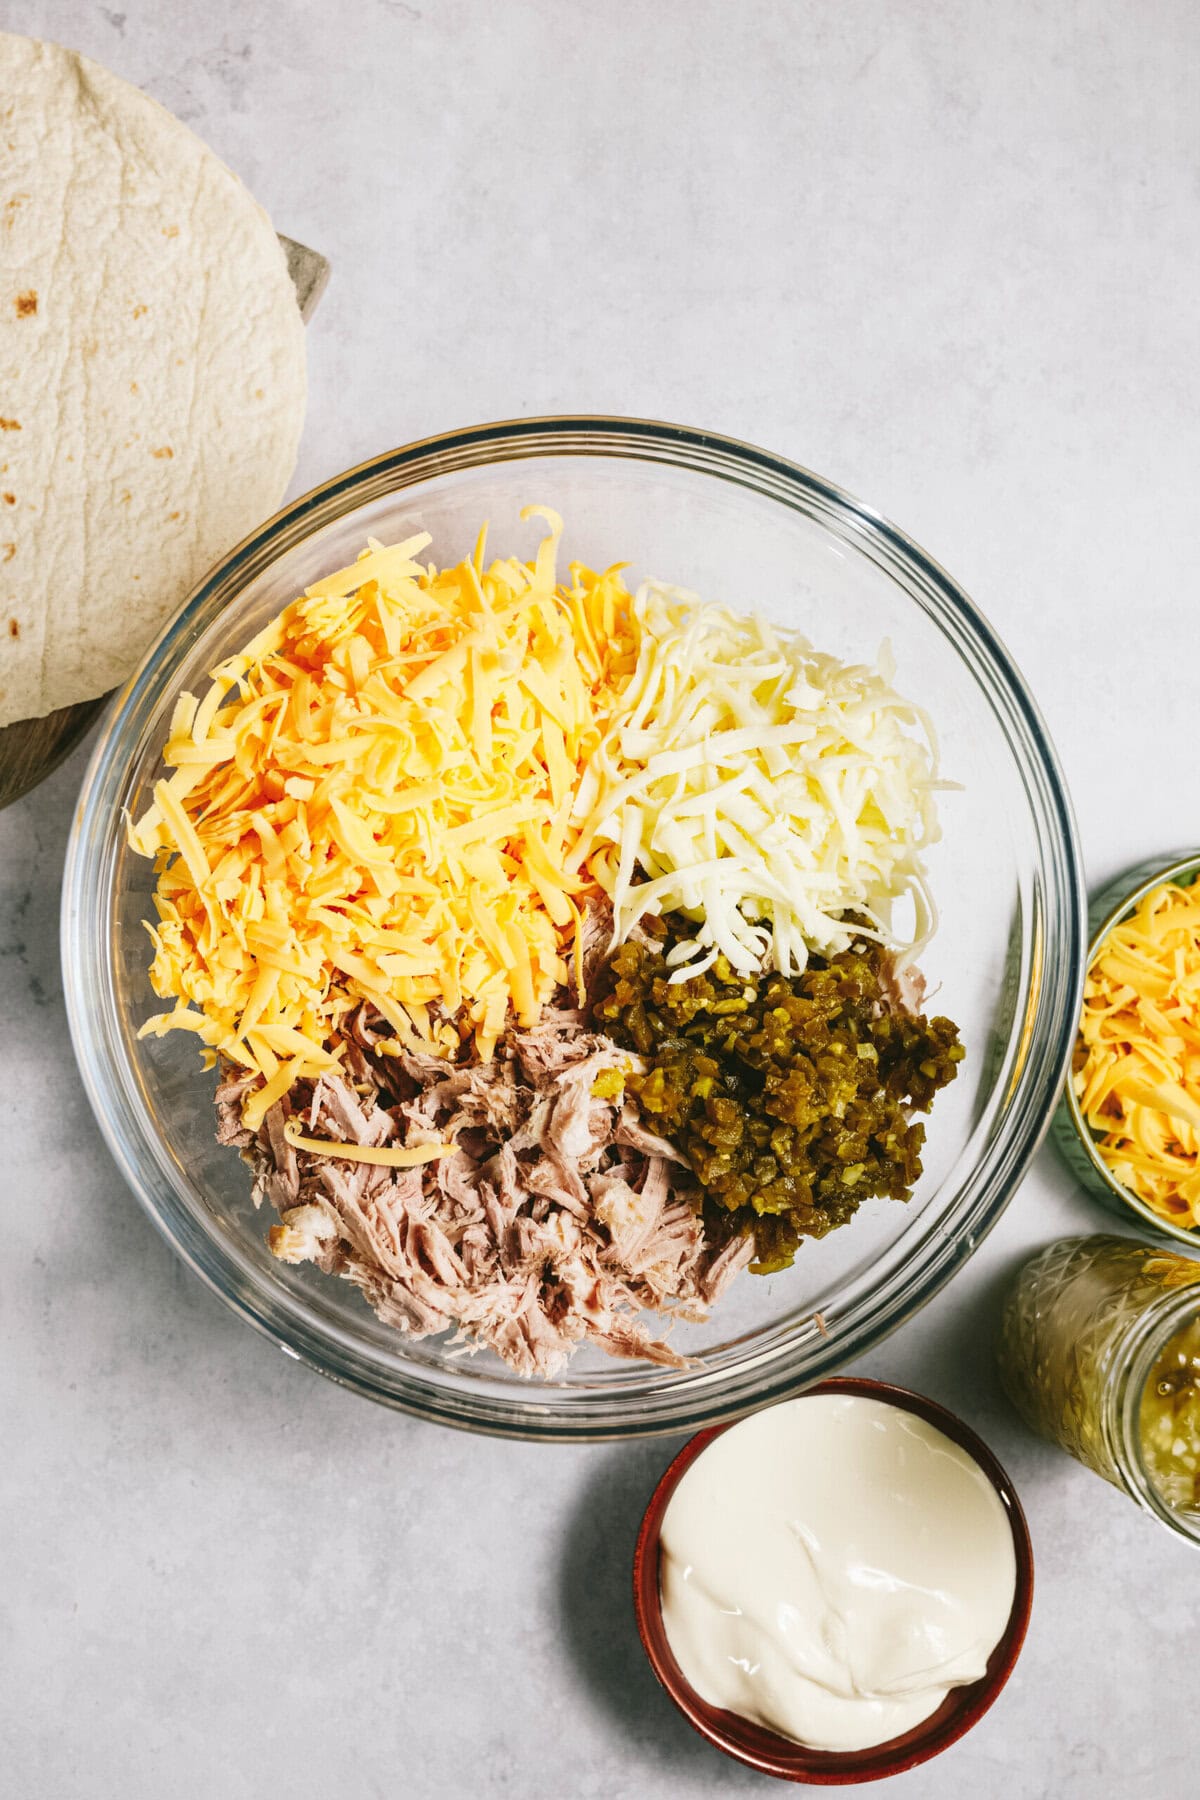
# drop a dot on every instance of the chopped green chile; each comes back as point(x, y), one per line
point(789, 1095)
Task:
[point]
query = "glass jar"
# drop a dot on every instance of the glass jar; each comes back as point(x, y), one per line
point(1069, 1130)
point(1083, 1329)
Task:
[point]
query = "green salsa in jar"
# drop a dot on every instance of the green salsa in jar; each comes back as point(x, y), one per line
point(1099, 1351)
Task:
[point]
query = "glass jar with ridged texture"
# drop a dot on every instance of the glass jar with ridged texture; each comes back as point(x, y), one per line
point(1083, 1329)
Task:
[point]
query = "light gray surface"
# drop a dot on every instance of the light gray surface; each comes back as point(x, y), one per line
point(944, 252)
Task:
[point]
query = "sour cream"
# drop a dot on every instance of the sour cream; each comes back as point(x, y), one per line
point(831, 1567)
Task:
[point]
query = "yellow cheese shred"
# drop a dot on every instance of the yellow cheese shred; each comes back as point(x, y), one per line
point(385, 1156)
point(1137, 1075)
point(373, 802)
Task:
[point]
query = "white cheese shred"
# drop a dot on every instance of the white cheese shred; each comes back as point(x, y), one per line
point(779, 798)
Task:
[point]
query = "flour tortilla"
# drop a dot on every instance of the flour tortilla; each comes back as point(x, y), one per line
point(152, 376)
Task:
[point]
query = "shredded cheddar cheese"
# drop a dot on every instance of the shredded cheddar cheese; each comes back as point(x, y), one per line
point(1138, 1074)
point(385, 1156)
point(374, 801)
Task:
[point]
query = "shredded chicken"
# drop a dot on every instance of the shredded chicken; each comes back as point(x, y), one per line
point(557, 1220)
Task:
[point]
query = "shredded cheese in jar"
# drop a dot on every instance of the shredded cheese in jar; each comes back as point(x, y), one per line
point(1137, 1075)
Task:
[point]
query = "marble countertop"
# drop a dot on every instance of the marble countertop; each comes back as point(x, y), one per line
point(947, 254)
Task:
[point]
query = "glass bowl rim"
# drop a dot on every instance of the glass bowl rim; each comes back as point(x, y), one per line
point(1056, 982)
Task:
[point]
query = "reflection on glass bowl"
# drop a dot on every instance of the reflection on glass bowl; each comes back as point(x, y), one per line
point(734, 524)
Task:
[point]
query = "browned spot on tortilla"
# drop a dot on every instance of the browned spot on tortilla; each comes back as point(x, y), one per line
point(12, 208)
point(163, 450)
point(258, 393)
point(9, 499)
point(170, 231)
point(26, 302)
point(14, 630)
point(10, 425)
point(133, 387)
point(174, 515)
point(10, 550)
point(126, 497)
point(139, 310)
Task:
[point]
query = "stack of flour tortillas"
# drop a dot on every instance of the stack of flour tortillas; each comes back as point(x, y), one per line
point(152, 379)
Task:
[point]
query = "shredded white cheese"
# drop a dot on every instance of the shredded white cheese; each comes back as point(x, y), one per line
point(760, 788)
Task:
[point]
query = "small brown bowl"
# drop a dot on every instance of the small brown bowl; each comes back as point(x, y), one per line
point(764, 1750)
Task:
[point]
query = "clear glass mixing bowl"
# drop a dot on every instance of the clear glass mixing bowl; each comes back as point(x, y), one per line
point(735, 524)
